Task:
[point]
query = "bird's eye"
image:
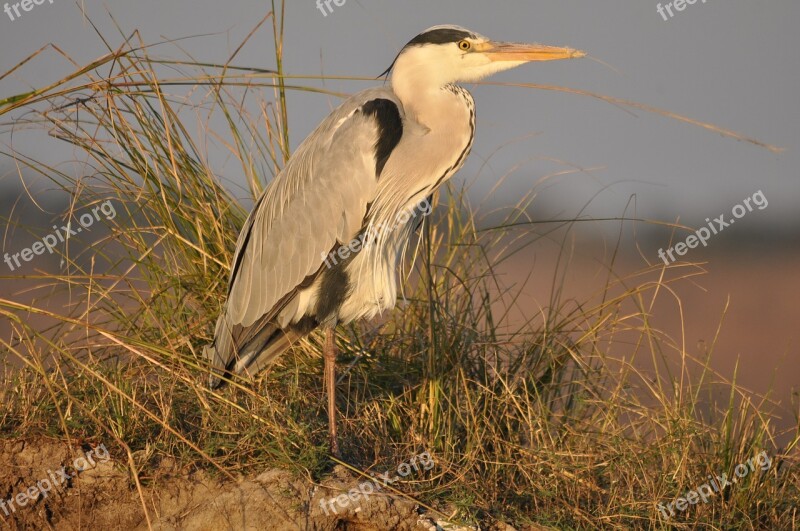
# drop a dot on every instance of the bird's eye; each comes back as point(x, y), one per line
point(464, 45)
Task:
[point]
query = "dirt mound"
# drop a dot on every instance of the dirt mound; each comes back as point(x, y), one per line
point(46, 484)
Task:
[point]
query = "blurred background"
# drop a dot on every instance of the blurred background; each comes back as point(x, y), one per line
point(732, 64)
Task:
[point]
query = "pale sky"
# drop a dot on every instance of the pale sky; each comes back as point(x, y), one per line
point(733, 63)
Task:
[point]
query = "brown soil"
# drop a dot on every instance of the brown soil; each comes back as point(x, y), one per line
point(103, 497)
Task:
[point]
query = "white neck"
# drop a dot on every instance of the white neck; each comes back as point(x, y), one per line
point(419, 86)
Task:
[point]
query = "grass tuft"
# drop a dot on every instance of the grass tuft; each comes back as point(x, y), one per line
point(533, 424)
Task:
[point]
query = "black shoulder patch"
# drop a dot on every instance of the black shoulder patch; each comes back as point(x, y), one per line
point(440, 36)
point(390, 129)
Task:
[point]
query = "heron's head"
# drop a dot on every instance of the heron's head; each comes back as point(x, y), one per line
point(452, 54)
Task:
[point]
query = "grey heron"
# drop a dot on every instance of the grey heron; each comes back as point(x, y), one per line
point(375, 157)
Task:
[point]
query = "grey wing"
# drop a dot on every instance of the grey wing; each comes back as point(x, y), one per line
point(318, 201)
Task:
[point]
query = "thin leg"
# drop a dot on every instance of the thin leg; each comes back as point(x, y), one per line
point(330, 385)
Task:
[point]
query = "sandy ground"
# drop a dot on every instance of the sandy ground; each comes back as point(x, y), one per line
point(101, 497)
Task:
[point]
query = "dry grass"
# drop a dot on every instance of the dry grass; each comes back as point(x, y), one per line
point(528, 425)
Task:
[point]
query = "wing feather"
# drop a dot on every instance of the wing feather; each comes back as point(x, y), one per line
point(317, 202)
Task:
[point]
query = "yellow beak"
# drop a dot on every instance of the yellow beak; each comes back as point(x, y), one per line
point(511, 51)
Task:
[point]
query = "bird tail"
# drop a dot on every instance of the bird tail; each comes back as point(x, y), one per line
point(257, 353)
